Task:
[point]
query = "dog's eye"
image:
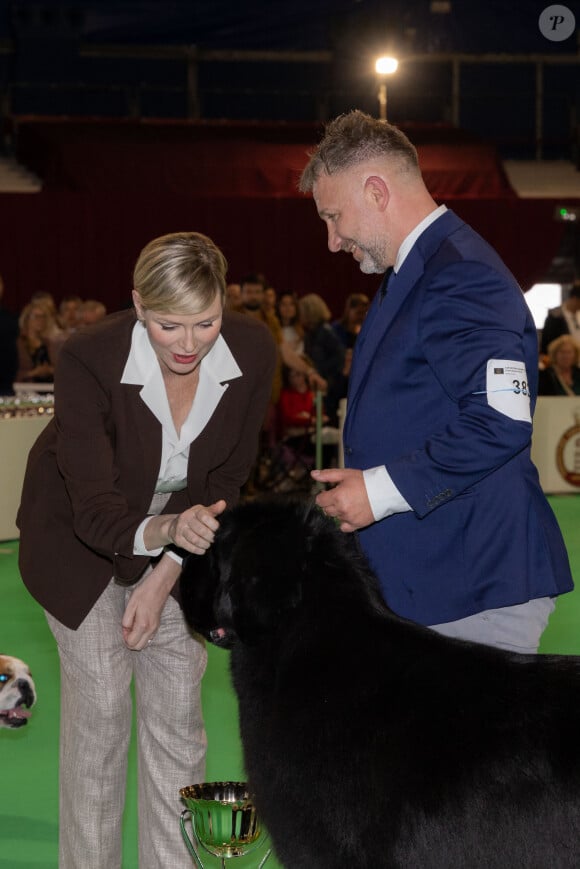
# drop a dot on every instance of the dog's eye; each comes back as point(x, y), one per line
point(3, 677)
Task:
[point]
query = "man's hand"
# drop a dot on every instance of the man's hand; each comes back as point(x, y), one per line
point(348, 501)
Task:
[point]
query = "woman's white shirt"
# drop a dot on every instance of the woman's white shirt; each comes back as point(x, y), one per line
point(142, 368)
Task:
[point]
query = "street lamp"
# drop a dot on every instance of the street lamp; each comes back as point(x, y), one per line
point(384, 66)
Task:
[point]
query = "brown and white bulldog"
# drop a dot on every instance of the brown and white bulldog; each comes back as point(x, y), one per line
point(17, 692)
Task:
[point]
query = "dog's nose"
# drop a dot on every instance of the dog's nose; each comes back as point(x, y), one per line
point(25, 691)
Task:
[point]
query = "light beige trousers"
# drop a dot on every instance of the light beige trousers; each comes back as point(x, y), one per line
point(96, 710)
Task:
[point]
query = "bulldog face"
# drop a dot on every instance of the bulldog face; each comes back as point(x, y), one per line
point(17, 692)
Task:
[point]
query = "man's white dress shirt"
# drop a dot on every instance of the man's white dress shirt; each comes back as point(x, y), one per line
point(384, 497)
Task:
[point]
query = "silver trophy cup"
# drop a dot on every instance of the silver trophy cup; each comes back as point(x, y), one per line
point(223, 821)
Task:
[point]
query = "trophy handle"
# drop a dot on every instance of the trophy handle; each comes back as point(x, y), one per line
point(185, 813)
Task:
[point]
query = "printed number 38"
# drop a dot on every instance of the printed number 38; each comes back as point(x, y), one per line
point(520, 387)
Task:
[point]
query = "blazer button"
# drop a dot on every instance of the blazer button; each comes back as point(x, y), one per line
point(348, 451)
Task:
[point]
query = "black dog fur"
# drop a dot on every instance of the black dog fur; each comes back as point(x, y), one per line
point(370, 741)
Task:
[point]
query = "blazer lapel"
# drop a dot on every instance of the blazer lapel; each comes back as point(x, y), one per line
point(380, 318)
point(147, 436)
point(382, 313)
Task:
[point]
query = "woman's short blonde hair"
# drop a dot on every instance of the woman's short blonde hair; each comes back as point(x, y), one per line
point(181, 273)
point(557, 344)
point(27, 311)
point(313, 311)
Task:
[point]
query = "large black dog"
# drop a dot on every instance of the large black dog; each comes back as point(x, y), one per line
point(370, 742)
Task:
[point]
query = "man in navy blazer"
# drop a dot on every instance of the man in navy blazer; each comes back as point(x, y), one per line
point(438, 483)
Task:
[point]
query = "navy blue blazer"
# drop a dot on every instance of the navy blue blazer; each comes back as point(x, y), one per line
point(481, 533)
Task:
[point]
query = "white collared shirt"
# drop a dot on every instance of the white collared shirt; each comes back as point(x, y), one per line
point(142, 369)
point(384, 497)
point(410, 240)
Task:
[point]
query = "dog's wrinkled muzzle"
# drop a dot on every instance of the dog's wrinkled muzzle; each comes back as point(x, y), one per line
point(19, 714)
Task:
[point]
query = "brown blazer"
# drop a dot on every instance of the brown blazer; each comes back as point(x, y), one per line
point(92, 472)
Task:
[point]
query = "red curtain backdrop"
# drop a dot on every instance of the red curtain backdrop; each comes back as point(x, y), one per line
point(230, 159)
point(111, 188)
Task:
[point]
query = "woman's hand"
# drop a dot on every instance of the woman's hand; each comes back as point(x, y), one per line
point(142, 616)
point(194, 529)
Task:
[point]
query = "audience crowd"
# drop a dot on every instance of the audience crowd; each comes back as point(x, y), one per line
point(315, 348)
point(32, 340)
point(560, 347)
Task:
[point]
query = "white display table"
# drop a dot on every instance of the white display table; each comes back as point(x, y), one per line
point(556, 444)
point(17, 434)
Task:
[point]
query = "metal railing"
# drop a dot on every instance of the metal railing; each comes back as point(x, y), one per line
point(180, 81)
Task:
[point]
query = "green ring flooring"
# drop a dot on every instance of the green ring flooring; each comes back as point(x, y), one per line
point(29, 791)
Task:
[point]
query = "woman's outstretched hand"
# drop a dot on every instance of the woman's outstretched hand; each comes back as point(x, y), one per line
point(194, 529)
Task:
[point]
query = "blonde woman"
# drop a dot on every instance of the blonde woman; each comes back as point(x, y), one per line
point(562, 377)
point(158, 411)
point(35, 352)
point(323, 346)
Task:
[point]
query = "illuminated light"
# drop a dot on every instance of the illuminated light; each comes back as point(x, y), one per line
point(568, 214)
point(386, 65)
point(540, 298)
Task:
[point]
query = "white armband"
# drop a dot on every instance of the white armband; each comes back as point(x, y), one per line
point(508, 389)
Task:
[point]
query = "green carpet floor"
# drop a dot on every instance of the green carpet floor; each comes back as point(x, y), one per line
point(29, 757)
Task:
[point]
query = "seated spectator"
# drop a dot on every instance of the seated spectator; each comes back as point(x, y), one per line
point(562, 375)
point(252, 294)
point(91, 312)
point(68, 313)
point(252, 303)
point(349, 325)
point(46, 299)
point(322, 345)
point(297, 413)
point(297, 403)
point(35, 353)
point(270, 299)
point(563, 320)
point(68, 322)
point(287, 313)
point(233, 297)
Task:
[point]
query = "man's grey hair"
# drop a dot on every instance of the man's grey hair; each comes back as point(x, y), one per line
point(354, 138)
